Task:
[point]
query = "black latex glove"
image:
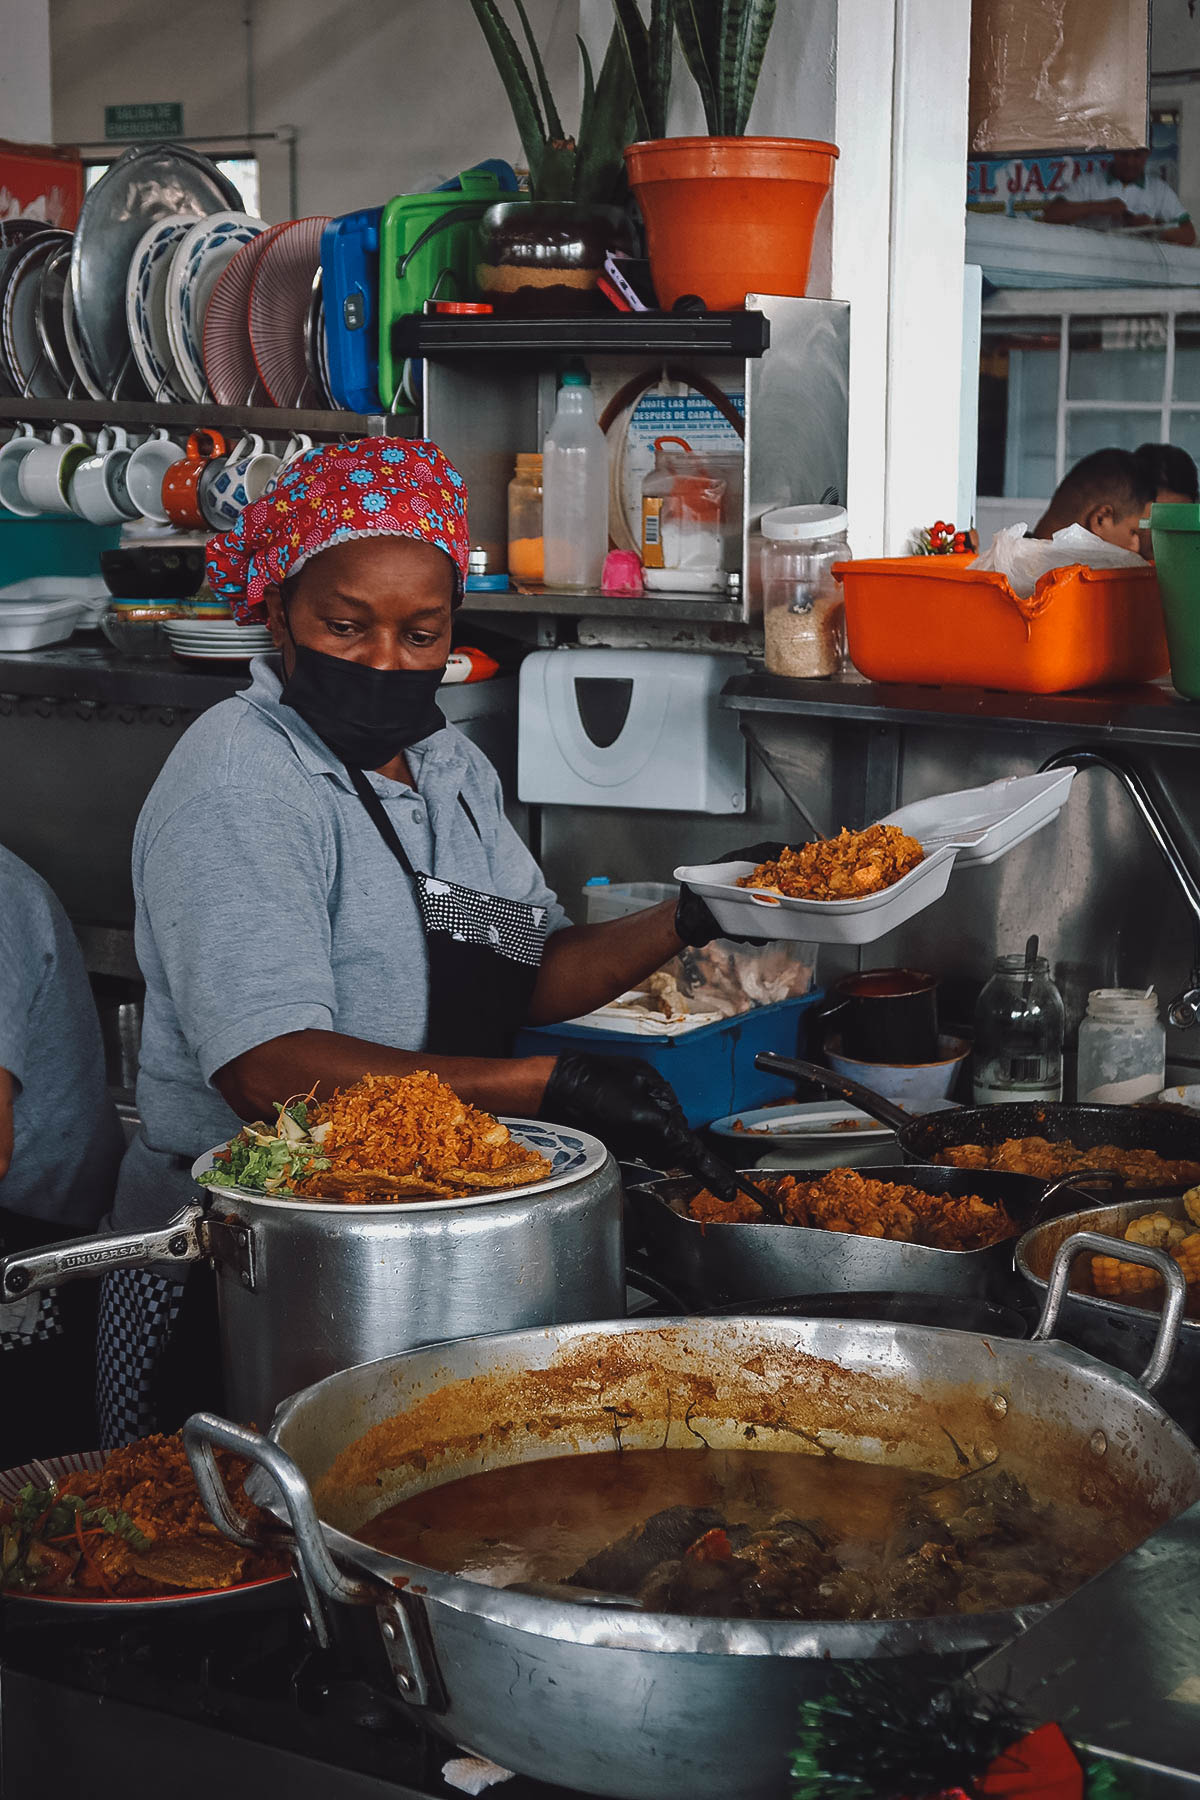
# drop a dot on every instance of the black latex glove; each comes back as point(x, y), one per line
point(624, 1102)
point(694, 922)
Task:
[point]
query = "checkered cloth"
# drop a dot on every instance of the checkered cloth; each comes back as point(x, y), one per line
point(138, 1311)
point(32, 1321)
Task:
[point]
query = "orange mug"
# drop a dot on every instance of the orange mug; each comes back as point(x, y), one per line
point(181, 482)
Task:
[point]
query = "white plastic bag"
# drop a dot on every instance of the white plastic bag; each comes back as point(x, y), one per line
point(1025, 560)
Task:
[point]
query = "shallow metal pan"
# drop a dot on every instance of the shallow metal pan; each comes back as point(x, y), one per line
point(757, 1262)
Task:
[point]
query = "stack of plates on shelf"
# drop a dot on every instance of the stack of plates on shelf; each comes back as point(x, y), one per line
point(216, 640)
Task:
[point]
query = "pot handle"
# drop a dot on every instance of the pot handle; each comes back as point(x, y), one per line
point(1165, 1342)
point(33, 1271)
point(791, 1068)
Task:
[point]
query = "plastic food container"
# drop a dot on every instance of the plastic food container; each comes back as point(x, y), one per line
point(802, 605)
point(977, 824)
point(1175, 534)
point(29, 624)
point(934, 620)
point(743, 912)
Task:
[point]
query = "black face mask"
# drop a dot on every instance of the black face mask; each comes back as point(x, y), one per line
point(366, 716)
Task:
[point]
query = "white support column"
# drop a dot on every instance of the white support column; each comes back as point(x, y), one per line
point(899, 227)
point(25, 73)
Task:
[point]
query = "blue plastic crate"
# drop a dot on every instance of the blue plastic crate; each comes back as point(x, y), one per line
point(711, 1069)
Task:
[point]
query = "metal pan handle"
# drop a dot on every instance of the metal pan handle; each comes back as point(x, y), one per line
point(34, 1271)
point(791, 1068)
point(319, 1575)
point(1156, 1369)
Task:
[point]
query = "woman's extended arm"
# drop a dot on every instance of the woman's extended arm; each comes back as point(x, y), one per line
point(588, 965)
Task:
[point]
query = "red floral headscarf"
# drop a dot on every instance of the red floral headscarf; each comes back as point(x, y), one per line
point(372, 487)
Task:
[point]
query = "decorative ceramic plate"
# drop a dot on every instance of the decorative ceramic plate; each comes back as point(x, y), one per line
point(281, 293)
point(150, 182)
point(196, 267)
point(55, 1468)
point(26, 363)
point(146, 308)
point(56, 273)
point(571, 1154)
point(228, 358)
point(819, 1122)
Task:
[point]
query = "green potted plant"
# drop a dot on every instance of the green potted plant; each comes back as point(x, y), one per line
point(543, 254)
point(725, 214)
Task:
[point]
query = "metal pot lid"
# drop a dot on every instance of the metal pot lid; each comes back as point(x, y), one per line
point(573, 1155)
point(151, 181)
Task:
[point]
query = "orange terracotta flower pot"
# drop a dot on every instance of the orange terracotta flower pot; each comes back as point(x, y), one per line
point(727, 217)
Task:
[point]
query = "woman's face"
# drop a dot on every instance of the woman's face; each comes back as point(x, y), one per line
point(381, 601)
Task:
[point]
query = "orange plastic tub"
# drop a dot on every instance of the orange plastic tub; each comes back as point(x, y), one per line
point(935, 620)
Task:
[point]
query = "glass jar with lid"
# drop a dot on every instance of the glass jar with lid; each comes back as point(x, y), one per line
point(1122, 1047)
point(802, 603)
point(525, 545)
point(1019, 1022)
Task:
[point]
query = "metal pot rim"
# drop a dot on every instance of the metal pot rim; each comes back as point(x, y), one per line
point(623, 1628)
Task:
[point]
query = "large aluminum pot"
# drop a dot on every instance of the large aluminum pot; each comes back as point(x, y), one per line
point(1118, 1334)
point(622, 1702)
point(306, 1288)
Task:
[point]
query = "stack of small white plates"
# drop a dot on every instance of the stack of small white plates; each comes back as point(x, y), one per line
point(216, 640)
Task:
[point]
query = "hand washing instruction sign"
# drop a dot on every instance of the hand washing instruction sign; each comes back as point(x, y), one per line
point(144, 119)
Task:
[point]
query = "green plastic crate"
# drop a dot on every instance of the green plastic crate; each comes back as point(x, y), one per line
point(428, 242)
point(30, 547)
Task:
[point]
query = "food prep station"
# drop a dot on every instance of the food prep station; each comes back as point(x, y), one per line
point(363, 1674)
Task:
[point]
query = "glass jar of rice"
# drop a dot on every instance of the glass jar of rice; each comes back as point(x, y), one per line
point(802, 603)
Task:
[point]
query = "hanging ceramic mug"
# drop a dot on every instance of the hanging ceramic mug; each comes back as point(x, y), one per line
point(98, 488)
point(228, 488)
point(12, 455)
point(144, 473)
point(45, 473)
point(296, 445)
point(181, 483)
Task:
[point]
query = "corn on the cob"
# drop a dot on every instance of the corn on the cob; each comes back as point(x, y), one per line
point(1113, 1279)
point(1191, 1205)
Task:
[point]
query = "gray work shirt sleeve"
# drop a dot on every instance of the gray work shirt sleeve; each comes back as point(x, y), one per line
point(24, 961)
point(518, 875)
point(235, 886)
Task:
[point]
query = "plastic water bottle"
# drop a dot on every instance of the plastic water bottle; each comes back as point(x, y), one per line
point(574, 490)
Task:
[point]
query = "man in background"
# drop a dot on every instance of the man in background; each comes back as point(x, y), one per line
point(1107, 493)
point(1123, 197)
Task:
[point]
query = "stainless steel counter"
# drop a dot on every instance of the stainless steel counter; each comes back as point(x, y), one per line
point(1118, 1664)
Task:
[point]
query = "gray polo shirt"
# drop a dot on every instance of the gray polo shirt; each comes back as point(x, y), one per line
point(267, 903)
point(66, 1138)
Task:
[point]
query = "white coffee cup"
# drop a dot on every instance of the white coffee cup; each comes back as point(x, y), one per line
point(237, 483)
point(296, 445)
point(45, 473)
point(143, 474)
point(12, 455)
point(97, 489)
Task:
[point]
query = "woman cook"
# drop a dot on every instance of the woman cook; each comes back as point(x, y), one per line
point(327, 885)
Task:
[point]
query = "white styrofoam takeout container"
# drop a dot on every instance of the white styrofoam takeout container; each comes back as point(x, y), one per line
point(973, 826)
point(986, 822)
point(28, 624)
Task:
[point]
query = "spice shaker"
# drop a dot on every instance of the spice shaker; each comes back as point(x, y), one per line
point(1122, 1047)
point(802, 603)
point(1019, 1021)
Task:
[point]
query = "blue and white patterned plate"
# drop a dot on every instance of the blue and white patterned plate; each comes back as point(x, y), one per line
point(199, 260)
point(571, 1154)
point(146, 311)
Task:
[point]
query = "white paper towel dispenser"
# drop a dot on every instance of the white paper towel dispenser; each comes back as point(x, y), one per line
point(639, 728)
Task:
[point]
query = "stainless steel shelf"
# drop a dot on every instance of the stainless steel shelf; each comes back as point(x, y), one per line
point(729, 334)
point(269, 421)
point(695, 607)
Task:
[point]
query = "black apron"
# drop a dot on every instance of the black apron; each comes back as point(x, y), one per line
point(158, 1336)
point(484, 951)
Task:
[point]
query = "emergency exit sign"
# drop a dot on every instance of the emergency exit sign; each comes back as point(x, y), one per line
point(146, 119)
